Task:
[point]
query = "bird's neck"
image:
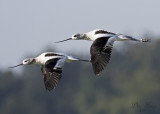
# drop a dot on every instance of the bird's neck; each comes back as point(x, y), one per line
point(41, 60)
point(87, 37)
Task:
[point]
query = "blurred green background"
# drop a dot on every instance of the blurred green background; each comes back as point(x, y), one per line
point(129, 85)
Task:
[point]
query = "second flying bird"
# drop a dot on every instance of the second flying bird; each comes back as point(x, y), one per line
point(101, 47)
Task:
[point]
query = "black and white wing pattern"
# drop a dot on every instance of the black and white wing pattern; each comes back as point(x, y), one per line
point(51, 74)
point(104, 32)
point(100, 54)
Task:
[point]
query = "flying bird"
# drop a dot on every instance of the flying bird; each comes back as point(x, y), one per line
point(101, 47)
point(51, 66)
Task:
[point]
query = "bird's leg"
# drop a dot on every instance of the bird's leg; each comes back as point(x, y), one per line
point(125, 37)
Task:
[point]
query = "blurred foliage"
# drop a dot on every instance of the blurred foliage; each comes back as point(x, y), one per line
point(129, 85)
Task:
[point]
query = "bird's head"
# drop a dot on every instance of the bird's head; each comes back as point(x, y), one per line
point(28, 61)
point(77, 36)
point(25, 62)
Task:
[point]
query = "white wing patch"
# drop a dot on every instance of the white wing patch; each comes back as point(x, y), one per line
point(60, 62)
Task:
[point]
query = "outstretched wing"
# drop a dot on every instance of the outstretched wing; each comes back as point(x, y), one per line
point(100, 54)
point(51, 74)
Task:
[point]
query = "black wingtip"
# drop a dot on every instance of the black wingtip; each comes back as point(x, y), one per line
point(97, 73)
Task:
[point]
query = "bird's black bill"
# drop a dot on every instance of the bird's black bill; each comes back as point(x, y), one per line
point(64, 40)
point(16, 66)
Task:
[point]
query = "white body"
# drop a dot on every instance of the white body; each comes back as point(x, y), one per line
point(91, 35)
point(42, 59)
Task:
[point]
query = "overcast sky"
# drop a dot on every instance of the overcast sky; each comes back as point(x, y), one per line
point(28, 26)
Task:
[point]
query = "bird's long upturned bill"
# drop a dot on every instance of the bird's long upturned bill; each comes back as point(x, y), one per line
point(16, 65)
point(64, 40)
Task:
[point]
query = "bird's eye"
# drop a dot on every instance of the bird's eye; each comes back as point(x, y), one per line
point(75, 35)
point(25, 61)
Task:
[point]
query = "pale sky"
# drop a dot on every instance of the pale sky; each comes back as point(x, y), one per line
point(28, 26)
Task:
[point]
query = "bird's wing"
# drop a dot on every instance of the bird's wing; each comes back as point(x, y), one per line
point(100, 54)
point(48, 54)
point(51, 73)
point(103, 32)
